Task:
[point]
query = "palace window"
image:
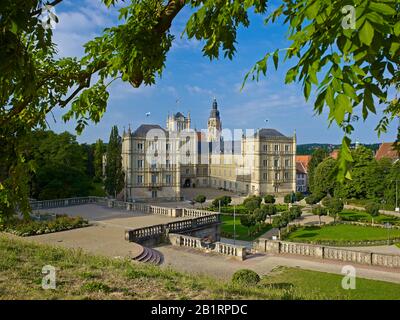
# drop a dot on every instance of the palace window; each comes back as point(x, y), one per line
point(276, 163)
point(287, 163)
point(265, 147)
point(265, 176)
point(140, 164)
point(286, 175)
point(168, 179)
point(265, 163)
point(139, 179)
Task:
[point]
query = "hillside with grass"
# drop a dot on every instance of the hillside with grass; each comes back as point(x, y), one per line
point(83, 276)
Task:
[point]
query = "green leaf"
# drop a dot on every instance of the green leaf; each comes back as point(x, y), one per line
point(307, 89)
point(396, 29)
point(366, 33)
point(382, 8)
point(276, 59)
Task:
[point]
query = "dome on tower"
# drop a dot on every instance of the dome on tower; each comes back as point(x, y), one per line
point(214, 111)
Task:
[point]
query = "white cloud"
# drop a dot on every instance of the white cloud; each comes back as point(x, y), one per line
point(199, 90)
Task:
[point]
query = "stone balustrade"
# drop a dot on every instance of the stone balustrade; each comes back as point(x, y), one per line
point(226, 249)
point(325, 252)
point(59, 203)
point(195, 213)
point(162, 230)
point(231, 250)
point(128, 206)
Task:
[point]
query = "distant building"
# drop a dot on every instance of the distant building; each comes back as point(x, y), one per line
point(386, 151)
point(301, 177)
point(304, 159)
point(334, 154)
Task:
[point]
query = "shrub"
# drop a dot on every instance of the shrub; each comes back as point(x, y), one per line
point(295, 211)
point(269, 198)
point(314, 198)
point(319, 211)
point(200, 199)
point(257, 199)
point(269, 210)
point(260, 215)
point(246, 277)
point(252, 205)
point(372, 208)
point(29, 227)
point(288, 198)
point(225, 200)
point(299, 196)
point(334, 206)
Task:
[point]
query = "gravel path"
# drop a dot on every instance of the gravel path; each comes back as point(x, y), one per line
point(193, 261)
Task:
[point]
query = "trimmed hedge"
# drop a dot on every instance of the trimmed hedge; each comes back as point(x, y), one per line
point(246, 277)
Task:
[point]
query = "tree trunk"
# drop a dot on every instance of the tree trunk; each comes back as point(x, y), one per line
point(279, 233)
point(319, 217)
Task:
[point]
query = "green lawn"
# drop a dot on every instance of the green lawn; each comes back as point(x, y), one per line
point(362, 216)
point(241, 231)
point(327, 286)
point(341, 232)
point(84, 276)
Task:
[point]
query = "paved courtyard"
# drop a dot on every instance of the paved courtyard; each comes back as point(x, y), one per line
point(189, 260)
point(106, 235)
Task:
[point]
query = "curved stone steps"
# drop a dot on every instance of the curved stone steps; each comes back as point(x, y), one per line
point(149, 255)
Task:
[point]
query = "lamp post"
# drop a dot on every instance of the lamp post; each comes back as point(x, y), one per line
point(388, 226)
point(234, 224)
point(397, 209)
point(397, 196)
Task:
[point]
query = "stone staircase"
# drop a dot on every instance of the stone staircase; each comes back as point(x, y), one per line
point(149, 255)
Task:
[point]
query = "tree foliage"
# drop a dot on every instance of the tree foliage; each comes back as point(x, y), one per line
point(114, 180)
point(317, 157)
point(348, 68)
point(99, 151)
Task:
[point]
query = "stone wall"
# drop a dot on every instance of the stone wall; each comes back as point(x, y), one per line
point(325, 252)
point(207, 226)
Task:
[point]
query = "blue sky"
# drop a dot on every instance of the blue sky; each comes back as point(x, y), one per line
point(195, 81)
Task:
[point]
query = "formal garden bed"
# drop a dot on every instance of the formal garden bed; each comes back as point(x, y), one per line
point(365, 202)
point(241, 209)
point(86, 276)
point(340, 234)
point(45, 223)
point(363, 216)
point(242, 232)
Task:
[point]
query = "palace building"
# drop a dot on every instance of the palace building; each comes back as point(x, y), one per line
point(158, 162)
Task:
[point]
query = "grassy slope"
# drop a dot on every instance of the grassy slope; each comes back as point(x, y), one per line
point(241, 231)
point(83, 276)
point(342, 232)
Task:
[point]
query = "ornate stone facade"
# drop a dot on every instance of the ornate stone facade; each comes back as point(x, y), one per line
point(159, 162)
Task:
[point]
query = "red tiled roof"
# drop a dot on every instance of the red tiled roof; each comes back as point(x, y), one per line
point(335, 154)
point(304, 160)
point(300, 168)
point(386, 151)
